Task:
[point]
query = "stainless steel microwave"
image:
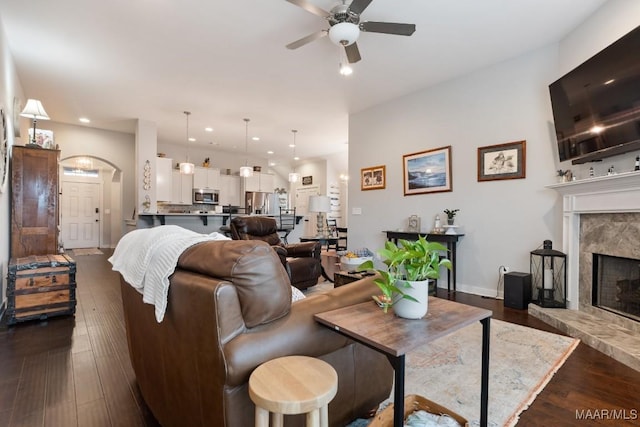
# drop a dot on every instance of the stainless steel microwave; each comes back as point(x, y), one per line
point(205, 196)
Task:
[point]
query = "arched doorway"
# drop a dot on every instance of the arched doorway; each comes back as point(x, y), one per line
point(90, 203)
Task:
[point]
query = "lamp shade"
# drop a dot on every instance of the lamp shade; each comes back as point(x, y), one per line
point(344, 33)
point(34, 110)
point(187, 168)
point(246, 171)
point(319, 204)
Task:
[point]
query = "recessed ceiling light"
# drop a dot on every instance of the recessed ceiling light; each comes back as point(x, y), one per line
point(208, 129)
point(291, 145)
point(84, 120)
point(272, 163)
point(192, 139)
point(296, 158)
point(255, 138)
point(270, 152)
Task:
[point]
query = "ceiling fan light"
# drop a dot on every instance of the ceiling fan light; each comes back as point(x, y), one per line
point(345, 69)
point(344, 33)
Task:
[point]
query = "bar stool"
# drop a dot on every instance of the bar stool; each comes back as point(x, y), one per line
point(293, 385)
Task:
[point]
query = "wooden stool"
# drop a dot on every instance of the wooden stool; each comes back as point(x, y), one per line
point(293, 385)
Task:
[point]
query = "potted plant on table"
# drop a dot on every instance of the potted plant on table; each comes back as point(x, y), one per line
point(451, 215)
point(405, 282)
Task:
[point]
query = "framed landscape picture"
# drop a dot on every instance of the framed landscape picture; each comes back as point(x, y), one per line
point(373, 178)
point(502, 161)
point(427, 171)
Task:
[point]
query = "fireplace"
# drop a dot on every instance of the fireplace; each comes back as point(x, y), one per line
point(601, 225)
point(616, 285)
point(601, 215)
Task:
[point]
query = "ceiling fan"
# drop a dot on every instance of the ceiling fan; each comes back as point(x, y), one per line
point(345, 26)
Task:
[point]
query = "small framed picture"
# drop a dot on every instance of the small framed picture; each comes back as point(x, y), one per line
point(373, 178)
point(502, 161)
point(44, 138)
point(427, 171)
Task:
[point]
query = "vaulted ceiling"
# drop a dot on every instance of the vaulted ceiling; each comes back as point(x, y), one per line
point(119, 60)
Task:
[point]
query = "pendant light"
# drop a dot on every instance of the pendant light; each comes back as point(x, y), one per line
point(187, 168)
point(246, 171)
point(294, 176)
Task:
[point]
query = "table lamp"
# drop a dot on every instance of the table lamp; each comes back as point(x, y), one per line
point(34, 110)
point(321, 205)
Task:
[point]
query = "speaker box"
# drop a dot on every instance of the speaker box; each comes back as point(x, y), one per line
point(517, 290)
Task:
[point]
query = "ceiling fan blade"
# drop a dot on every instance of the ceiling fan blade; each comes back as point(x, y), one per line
point(310, 8)
point(308, 39)
point(388, 28)
point(358, 6)
point(353, 53)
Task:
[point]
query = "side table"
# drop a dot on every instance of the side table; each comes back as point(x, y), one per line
point(342, 277)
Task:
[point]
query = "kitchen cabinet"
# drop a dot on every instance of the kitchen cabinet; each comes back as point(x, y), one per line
point(259, 182)
point(229, 190)
point(206, 178)
point(164, 177)
point(182, 189)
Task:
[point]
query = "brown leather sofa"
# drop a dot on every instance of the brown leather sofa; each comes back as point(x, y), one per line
point(229, 310)
point(302, 260)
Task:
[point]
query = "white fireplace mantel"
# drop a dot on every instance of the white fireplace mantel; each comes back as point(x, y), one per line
point(604, 194)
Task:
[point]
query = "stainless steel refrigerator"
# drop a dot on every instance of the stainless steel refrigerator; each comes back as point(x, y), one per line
point(259, 203)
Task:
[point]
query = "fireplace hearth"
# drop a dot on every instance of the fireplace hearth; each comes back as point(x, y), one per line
point(600, 215)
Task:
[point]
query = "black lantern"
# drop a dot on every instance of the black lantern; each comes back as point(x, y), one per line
point(549, 276)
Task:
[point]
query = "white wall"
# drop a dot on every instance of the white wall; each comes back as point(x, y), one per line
point(115, 148)
point(9, 89)
point(502, 220)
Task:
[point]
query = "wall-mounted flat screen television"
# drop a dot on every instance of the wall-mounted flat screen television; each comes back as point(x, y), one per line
point(596, 107)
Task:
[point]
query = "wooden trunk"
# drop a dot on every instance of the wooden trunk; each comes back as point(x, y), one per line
point(40, 286)
point(34, 201)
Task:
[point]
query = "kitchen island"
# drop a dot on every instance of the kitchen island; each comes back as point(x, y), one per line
point(199, 221)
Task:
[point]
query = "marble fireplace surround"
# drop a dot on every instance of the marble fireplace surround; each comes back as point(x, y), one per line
point(600, 214)
point(611, 209)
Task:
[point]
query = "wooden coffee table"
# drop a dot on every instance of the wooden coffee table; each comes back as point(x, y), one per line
point(395, 337)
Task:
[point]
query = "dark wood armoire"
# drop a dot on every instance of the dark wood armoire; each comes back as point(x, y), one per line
point(34, 201)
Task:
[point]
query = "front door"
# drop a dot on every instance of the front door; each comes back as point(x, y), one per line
point(80, 215)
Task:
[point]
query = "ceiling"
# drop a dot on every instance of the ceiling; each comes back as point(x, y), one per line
point(119, 60)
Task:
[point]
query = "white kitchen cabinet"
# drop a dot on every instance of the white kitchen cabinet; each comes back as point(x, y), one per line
point(164, 188)
point(206, 178)
point(229, 190)
point(182, 189)
point(259, 182)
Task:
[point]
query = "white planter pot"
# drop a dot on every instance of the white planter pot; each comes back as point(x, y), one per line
point(410, 309)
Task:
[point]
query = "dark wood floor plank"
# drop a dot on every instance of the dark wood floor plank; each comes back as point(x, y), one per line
point(30, 397)
point(61, 413)
point(86, 379)
point(37, 360)
point(93, 414)
point(122, 408)
point(59, 387)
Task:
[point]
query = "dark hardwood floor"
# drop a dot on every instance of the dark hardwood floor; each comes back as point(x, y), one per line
point(75, 371)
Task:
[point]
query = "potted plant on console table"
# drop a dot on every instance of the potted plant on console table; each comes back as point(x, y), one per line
point(405, 282)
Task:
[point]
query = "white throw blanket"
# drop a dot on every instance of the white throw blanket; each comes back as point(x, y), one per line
point(147, 257)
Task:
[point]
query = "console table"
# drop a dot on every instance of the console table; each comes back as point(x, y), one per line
point(450, 239)
point(367, 324)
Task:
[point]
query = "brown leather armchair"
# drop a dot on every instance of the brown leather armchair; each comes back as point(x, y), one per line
point(302, 260)
point(229, 310)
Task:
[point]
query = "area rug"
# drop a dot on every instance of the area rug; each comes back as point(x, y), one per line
point(522, 362)
point(89, 251)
